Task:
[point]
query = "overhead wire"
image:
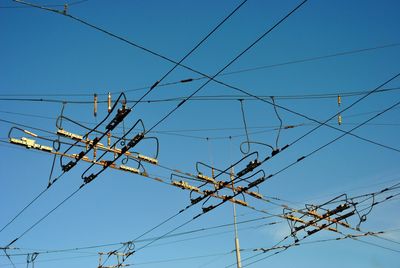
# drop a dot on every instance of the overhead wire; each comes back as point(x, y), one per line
point(351, 130)
point(173, 131)
point(191, 51)
point(357, 228)
point(56, 259)
point(184, 258)
point(332, 141)
point(125, 40)
point(24, 125)
point(202, 86)
point(230, 63)
point(50, 5)
point(322, 147)
point(221, 225)
point(171, 217)
point(284, 248)
point(210, 79)
point(354, 237)
point(9, 258)
point(50, 184)
point(171, 169)
point(184, 66)
point(348, 107)
point(352, 189)
point(211, 235)
point(177, 64)
point(274, 247)
point(185, 233)
point(177, 259)
point(245, 128)
point(83, 146)
point(280, 123)
point(306, 117)
point(138, 46)
point(270, 128)
point(156, 54)
point(43, 218)
point(172, 111)
point(39, 195)
point(332, 95)
point(325, 122)
point(222, 97)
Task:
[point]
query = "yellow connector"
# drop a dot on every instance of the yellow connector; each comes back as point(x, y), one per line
point(130, 169)
point(148, 159)
point(205, 178)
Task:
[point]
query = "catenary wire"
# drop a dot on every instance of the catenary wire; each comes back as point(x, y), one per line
point(176, 65)
point(347, 108)
point(43, 217)
point(9, 258)
point(194, 231)
point(184, 66)
point(210, 79)
point(323, 146)
point(262, 36)
point(225, 97)
point(50, 5)
point(191, 51)
point(332, 95)
point(281, 107)
point(146, 94)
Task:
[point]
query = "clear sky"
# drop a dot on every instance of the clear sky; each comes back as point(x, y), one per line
point(324, 49)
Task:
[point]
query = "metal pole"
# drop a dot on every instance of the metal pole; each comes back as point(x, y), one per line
point(237, 246)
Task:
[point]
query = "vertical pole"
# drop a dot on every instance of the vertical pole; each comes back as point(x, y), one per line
point(237, 246)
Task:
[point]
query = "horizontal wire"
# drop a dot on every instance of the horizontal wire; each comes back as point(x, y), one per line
point(48, 5)
point(311, 96)
point(337, 54)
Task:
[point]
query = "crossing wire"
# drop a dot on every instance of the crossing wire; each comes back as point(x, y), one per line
point(291, 143)
point(285, 247)
point(320, 148)
point(187, 80)
point(198, 72)
point(231, 62)
point(193, 70)
point(354, 237)
point(51, 183)
point(225, 97)
point(191, 51)
point(202, 86)
point(280, 171)
point(155, 84)
point(348, 107)
point(199, 230)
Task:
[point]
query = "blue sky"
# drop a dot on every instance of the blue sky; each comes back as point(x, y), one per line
point(49, 56)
